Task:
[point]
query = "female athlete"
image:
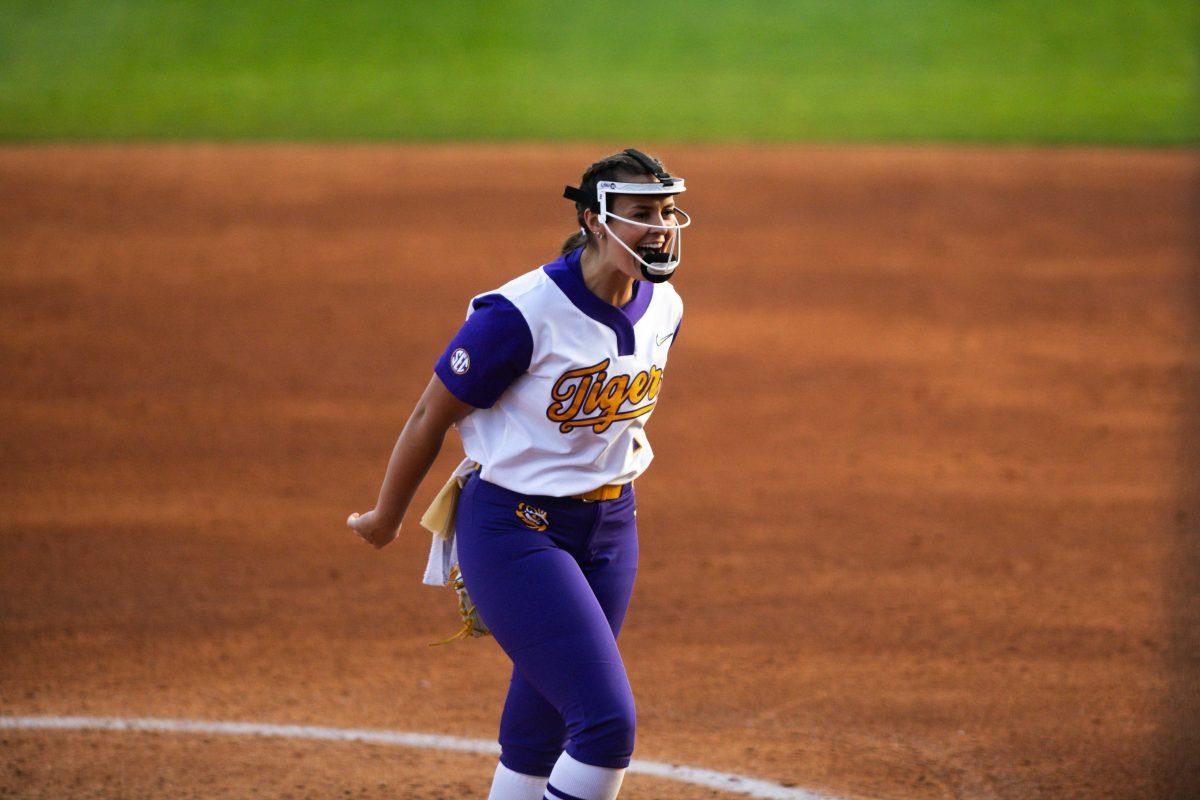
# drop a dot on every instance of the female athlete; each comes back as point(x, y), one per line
point(550, 382)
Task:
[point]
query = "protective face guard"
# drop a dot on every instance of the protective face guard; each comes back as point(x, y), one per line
point(660, 266)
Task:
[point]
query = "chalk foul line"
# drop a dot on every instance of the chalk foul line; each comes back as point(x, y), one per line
point(711, 779)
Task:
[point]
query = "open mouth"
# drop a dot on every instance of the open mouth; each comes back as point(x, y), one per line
point(654, 253)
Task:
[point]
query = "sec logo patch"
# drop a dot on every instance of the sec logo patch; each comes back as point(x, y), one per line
point(534, 518)
point(460, 361)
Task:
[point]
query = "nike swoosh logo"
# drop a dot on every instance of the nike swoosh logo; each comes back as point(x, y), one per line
point(663, 339)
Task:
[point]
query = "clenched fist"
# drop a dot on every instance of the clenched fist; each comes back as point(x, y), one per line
point(372, 528)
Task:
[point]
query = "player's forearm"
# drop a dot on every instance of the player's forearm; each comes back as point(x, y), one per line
point(415, 451)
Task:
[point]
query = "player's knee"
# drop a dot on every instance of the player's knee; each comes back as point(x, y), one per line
point(529, 759)
point(607, 738)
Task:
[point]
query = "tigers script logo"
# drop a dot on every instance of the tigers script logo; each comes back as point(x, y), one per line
point(589, 398)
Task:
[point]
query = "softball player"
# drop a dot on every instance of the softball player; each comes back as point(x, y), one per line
point(550, 382)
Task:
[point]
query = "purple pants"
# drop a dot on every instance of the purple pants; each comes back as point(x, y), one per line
point(555, 600)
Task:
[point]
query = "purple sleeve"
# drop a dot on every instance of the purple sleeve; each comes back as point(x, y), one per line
point(490, 351)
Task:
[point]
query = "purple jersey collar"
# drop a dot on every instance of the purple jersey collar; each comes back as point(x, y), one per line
point(568, 276)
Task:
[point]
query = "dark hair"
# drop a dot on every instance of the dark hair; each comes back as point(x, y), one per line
point(614, 167)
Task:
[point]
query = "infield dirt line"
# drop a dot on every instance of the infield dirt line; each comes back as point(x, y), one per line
point(711, 779)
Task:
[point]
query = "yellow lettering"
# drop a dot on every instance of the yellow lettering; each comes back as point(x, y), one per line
point(637, 388)
point(655, 382)
point(568, 397)
point(593, 396)
point(589, 398)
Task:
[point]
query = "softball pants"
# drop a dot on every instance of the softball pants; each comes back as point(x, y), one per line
point(555, 601)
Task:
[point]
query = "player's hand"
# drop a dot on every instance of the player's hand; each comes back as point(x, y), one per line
point(375, 531)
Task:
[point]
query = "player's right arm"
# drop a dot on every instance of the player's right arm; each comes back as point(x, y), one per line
point(415, 451)
point(491, 350)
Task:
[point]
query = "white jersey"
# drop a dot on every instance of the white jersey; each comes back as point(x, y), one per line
point(563, 382)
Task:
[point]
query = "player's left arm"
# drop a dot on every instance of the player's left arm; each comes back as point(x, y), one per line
point(414, 453)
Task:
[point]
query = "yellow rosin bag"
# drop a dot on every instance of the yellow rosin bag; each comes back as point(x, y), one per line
point(439, 517)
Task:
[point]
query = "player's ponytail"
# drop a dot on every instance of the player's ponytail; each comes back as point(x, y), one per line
point(612, 168)
point(575, 241)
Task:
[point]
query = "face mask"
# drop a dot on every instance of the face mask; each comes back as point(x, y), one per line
point(656, 267)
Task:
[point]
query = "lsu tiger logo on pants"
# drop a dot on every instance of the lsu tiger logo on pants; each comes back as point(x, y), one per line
point(534, 518)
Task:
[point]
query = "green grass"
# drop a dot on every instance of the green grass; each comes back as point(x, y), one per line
point(1108, 71)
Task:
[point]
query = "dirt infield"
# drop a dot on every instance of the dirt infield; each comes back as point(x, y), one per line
point(913, 531)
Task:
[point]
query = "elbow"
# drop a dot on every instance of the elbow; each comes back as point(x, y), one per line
point(426, 422)
point(436, 411)
point(419, 419)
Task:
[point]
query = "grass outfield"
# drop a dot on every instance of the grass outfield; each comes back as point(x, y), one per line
point(1106, 71)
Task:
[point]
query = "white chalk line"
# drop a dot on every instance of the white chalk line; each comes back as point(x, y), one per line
point(711, 779)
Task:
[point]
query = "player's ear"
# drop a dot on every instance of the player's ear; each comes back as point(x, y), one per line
point(591, 221)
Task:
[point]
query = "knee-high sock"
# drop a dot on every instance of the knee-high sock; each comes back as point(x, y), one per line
point(574, 780)
point(509, 785)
